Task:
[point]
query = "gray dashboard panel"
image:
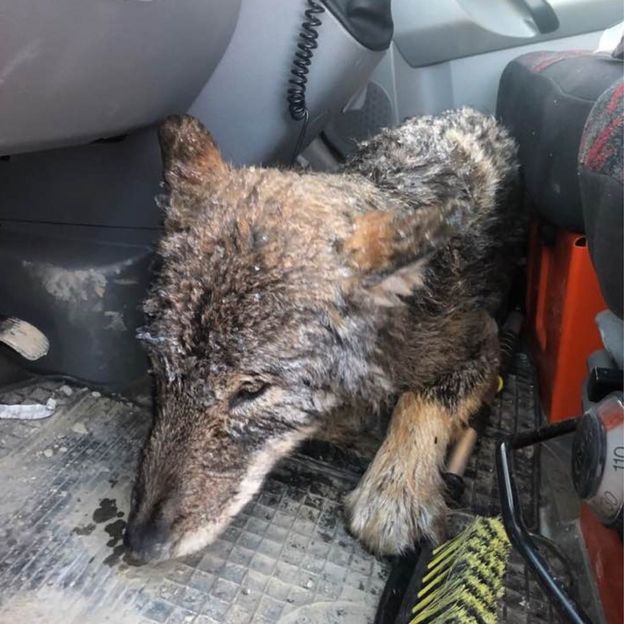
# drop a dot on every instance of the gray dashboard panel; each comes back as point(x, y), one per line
point(76, 70)
point(429, 32)
point(244, 102)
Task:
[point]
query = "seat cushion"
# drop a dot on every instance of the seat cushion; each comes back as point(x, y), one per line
point(544, 99)
point(601, 177)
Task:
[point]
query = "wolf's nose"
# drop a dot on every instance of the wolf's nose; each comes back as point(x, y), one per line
point(148, 541)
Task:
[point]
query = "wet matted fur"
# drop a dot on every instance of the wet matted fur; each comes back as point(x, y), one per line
point(286, 297)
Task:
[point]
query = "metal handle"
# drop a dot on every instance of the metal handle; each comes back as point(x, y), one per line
point(514, 523)
point(543, 15)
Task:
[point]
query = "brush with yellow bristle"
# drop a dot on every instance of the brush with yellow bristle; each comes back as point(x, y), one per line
point(463, 578)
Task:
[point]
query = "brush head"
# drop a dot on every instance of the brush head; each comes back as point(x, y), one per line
point(463, 579)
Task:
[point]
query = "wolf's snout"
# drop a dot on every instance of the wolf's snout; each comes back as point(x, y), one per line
point(149, 540)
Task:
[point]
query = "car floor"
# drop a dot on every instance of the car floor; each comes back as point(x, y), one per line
point(286, 557)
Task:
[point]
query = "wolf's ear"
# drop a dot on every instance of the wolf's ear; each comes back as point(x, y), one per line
point(190, 155)
point(389, 250)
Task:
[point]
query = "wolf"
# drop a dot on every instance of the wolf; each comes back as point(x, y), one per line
point(285, 298)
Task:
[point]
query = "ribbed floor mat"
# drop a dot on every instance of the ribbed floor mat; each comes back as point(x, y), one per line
point(65, 492)
point(286, 558)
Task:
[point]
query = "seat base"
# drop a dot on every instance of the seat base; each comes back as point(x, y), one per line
point(563, 299)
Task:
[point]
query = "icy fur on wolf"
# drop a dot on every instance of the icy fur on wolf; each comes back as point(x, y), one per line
point(285, 297)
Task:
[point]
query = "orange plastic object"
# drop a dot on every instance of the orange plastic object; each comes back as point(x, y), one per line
point(563, 298)
point(605, 554)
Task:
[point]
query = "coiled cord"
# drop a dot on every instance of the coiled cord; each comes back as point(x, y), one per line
point(308, 42)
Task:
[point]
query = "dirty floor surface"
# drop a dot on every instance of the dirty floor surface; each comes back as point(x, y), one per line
point(64, 500)
point(65, 485)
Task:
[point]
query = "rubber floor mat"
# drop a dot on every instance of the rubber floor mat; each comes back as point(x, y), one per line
point(286, 557)
point(65, 490)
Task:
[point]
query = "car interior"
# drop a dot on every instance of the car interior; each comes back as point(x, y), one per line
point(84, 87)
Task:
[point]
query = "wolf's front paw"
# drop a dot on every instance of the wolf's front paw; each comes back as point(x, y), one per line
point(390, 515)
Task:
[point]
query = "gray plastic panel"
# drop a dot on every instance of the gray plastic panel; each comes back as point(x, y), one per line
point(360, 122)
point(432, 32)
point(401, 91)
point(82, 286)
point(244, 102)
point(106, 184)
point(75, 70)
point(76, 231)
point(611, 330)
point(471, 81)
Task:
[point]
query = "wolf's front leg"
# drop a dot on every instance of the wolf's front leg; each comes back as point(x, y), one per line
point(400, 498)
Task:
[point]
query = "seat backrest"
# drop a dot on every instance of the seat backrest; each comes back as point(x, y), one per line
point(544, 99)
point(601, 177)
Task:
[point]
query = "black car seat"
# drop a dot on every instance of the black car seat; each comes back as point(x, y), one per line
point(545, 99)
point(562, 106)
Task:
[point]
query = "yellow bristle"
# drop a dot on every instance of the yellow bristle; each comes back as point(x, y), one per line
point(439, 561)
point(465, 576)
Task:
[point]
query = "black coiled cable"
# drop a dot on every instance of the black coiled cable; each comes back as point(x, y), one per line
point(308, 42)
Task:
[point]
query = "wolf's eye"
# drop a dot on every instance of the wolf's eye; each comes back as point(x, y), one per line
point(248, 391)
